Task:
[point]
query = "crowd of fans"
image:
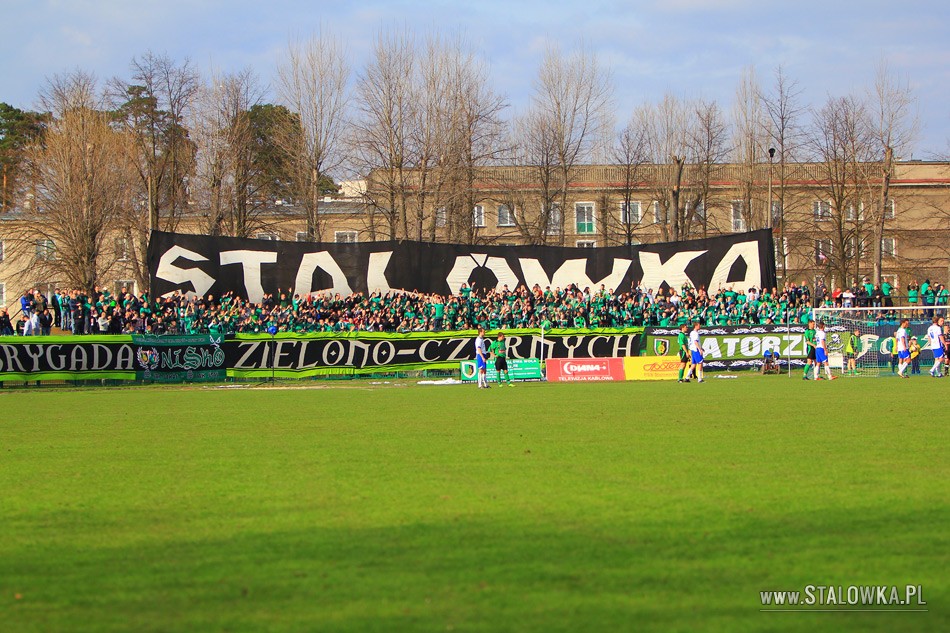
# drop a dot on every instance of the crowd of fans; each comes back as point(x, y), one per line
point(103, 312)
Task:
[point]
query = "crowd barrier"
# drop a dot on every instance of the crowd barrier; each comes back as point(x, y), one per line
point(196, 358)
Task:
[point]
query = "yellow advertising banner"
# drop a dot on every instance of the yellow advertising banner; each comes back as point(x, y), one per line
point(651, 367)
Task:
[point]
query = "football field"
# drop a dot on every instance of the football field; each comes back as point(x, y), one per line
point(350, 506)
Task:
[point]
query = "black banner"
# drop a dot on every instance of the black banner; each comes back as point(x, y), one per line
point(251, 268)
point(299, 356)
point(190, 358)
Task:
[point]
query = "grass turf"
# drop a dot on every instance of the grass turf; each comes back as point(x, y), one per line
point(546, 507)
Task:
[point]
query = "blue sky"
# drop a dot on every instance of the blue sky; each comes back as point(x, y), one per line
point(687, 47)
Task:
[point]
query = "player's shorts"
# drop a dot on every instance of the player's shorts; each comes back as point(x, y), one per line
point(684, 356)
point(811, 353)
point(480, 363)
point(851, 356)
point(938, 352)
point(501, 364)
point(821, 356)
point(903, 355)
point(697, 357)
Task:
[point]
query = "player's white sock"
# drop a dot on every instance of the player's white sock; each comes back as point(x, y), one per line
point(699, 374)
point(828, 371)
point(817, 371)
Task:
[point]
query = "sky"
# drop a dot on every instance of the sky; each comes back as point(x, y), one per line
point(690, 48)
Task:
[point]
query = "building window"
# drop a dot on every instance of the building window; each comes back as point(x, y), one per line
point(657, 213)
point(738, 217)
point(630, 213)
point(822, 251)
point(3, 295)
point(344, 237)
point(851, 215)
point(122, 251)
point(128, 284)
point(555, 218)
point(697, 212)
point(1, 250)
point(889, 210)
point(822, 210)
point(302, 236)
point(478, 216)
point(271, 237)
point(776, 213)
point(584, 214)
point(505, 216)
point(45, 250)
point(586, 244)
point(889, 247)
point(441, 217)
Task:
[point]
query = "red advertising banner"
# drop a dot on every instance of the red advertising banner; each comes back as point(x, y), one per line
point(584, 369)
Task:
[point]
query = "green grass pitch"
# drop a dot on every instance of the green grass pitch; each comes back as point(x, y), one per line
point(545, 507)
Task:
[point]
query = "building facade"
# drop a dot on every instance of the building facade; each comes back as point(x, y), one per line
point(824, 230)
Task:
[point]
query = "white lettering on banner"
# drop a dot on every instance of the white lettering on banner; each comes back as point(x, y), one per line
point(673, 271)
point(465, 265)
point(53, 355)
point(627, 348)
point(572, 271)
point(581, 367)
point(303, 284)
point(77, 360)
point(198, 278)
point(251, 348)
point(711, 348)
point(749, 251)
point(593, 341)
point(376, 274)
point(35, 356)
point(251, 262)
point(125, 358)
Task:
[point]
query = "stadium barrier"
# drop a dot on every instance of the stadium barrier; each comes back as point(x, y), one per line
point(194, 358)
point(650, 368)
point(737, 347)
point(584, 369)
point(519, 370)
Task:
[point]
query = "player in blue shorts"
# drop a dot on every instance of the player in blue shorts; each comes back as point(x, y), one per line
point(821, 353)
point(481, 359)
point(938, 343)
point(696, 351)
point(903, 348)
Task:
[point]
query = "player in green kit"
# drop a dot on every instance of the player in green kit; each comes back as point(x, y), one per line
point(810, 347)
point(682, 343)
point(500, 353)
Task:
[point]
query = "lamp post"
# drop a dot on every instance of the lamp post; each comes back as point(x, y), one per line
point(769, 211)
point(771, 156)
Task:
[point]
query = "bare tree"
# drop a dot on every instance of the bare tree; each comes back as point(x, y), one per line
point(569, 110)
point(630, 157)
point(784, 112)
point(749, 151)
point(81, 183)
point(708, 144)
point(312, 82)
point(668, 133)
point(842, 142)
point(896, 125)
point(471, 137)
point(225, 185)
point(380, 136)
point(151, 106)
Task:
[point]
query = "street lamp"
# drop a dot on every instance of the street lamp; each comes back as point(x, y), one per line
point(771, 156)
